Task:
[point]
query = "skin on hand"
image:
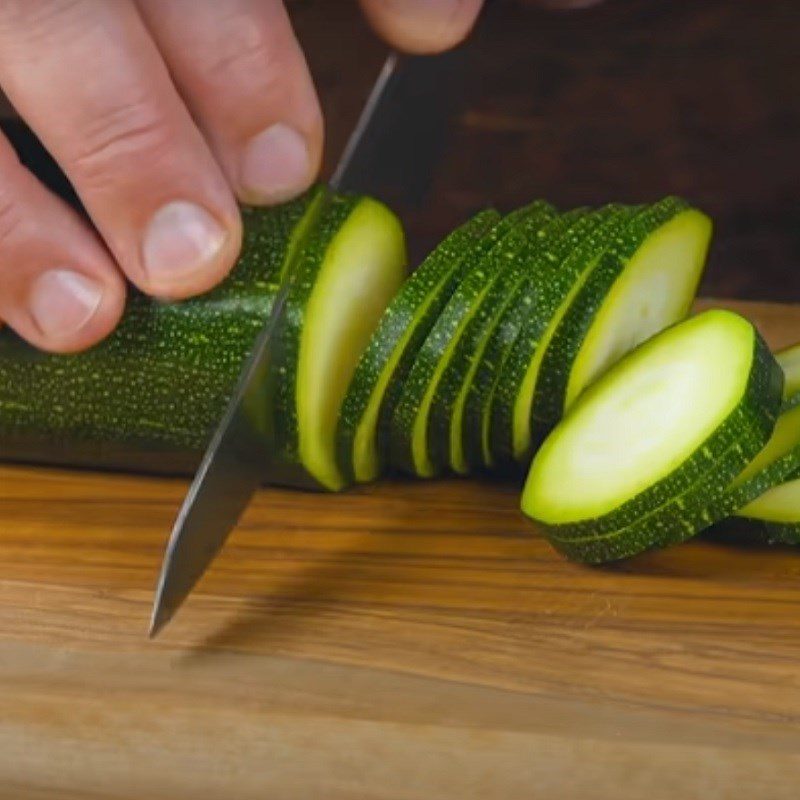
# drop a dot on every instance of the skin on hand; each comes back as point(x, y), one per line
point(162, 113)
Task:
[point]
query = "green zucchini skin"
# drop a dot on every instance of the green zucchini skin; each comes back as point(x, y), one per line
point(696, 493)
point(272, 238)
point(411, 448)
point(383, 367)
point(524, 260)
point(149, 396)
point(773, 533)
point(554, 376)
point(580, 249)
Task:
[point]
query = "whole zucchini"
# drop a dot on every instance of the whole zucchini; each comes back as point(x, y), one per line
point(148, 397)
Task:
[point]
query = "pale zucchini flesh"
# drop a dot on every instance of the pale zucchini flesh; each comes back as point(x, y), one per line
point(362, 270)
point(348, 269)
point(789, 359)
point(613, 308)
point(780, 505)
point(656, 289)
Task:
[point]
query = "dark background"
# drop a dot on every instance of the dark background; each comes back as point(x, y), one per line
point(629, 100)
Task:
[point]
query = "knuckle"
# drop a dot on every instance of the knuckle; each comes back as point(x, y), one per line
point(248, 55)
point(131, 135)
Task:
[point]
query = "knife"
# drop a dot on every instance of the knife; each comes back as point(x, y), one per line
point(381, 153)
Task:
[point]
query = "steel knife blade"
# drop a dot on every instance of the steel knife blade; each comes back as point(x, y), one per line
point(238, 459)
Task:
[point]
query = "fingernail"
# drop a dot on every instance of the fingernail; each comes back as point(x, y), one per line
point(275, 165)
point(181, 239)
point(61, 302)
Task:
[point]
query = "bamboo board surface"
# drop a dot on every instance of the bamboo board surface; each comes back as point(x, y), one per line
point(404, 641)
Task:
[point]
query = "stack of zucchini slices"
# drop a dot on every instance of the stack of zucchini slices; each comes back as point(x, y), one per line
point(501, 328)
point(564, 336)
point(552, 343)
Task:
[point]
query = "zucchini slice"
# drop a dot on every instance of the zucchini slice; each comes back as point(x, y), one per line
point(657, 441)
point(776, 514)
point(384, 365)
point(509, 435)
point(349, 270)
point(789, 359)
point(448, 418)
point(411, 446)
point(778, 461)
point(644, 282)
point(148, 397)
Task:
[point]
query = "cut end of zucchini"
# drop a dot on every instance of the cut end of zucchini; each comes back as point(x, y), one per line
point(655, 290)
point(642, 420)
point(363, 269)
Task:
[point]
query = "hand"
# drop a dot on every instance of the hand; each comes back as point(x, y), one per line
point(162, 113)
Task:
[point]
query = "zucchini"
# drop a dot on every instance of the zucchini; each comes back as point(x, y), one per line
point(384, 365)
point(789, 359)
point(411, 447)
point(149, 396)
point(656, 442)
point(509, 430)
point(352, 265)
point(448, 418)
point(645, 281)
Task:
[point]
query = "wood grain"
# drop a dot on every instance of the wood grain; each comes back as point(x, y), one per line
point(402, 641)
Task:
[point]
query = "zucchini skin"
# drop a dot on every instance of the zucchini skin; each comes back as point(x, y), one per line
point(696, 494)
point(400, 333)
point(770, 533)
point(448, 421)
point(149, 396)
point(580, 249)
point(420, 386)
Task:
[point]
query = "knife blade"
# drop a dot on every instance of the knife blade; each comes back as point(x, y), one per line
point(237, 460)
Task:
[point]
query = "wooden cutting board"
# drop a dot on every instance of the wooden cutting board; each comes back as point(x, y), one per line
point(401, 641)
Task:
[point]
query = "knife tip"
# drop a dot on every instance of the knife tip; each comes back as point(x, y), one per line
point(160, 617)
